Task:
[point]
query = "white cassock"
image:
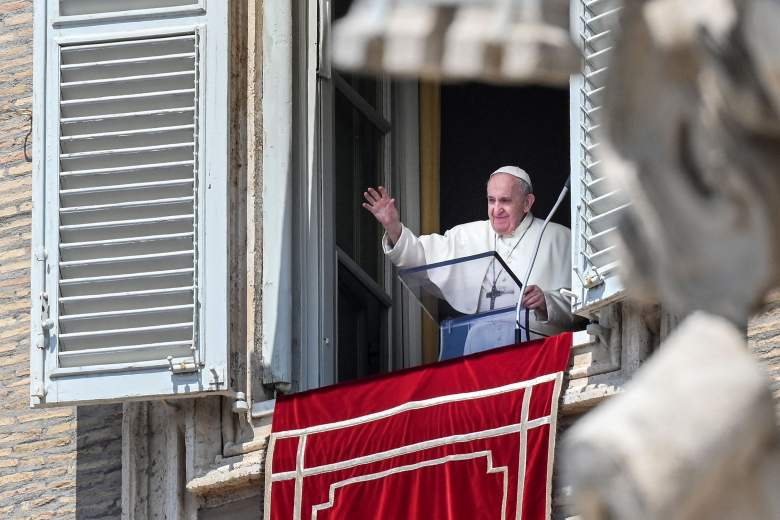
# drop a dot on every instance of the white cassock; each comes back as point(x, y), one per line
point(466, 290)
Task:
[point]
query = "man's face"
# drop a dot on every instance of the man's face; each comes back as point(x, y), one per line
point(507, 203)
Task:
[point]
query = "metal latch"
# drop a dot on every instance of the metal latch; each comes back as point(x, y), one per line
point(46, 322)
point(185, 365)
point(181, 367)
point(593, 280)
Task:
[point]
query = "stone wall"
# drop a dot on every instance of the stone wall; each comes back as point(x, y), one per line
point(37, 448)
point(57, 462)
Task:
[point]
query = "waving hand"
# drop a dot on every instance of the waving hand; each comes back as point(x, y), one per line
point(379, 203)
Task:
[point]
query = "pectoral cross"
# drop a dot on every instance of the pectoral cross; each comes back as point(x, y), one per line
point(492, 295)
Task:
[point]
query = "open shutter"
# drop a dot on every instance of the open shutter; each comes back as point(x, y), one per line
point(595, 207)
point(130, 200)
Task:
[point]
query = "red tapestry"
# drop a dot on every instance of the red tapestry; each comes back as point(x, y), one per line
point(468, 438)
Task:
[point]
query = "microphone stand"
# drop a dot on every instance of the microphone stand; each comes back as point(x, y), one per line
point(518, 332)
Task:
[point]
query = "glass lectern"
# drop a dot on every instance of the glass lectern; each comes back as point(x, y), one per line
point(472, 299)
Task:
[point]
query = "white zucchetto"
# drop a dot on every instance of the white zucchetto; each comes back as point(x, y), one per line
point(515, 171)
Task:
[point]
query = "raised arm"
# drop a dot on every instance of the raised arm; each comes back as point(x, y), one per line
point(379, 203)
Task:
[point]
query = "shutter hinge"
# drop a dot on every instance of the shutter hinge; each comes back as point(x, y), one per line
point(216, 379)
point(43, 336)
point(46, 322)
point(37, 390)
point(41, 255)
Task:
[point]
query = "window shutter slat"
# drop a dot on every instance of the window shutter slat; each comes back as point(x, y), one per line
point(86, 7)
point(124, 277)
point(138, 209)
point(121, 355)
point(596, 206)
point(103, 285)
point(125, 301)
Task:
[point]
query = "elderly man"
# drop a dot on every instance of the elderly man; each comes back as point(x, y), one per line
point(512, 231)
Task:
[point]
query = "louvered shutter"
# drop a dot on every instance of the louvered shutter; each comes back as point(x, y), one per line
point(595, 207)
point(130, 226)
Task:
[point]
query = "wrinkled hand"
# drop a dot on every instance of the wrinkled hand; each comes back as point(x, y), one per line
point(379, 203)
point(533, 298)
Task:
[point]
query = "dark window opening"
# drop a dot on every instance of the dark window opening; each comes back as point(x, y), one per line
point(484, 127)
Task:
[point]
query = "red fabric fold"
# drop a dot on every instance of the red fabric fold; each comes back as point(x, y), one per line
point(465, 438)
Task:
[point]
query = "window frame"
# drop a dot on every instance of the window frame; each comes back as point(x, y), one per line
point(328, 88)
point(314, 255)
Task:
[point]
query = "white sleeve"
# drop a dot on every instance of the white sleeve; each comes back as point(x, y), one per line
point(559, 313)
point(407, 252)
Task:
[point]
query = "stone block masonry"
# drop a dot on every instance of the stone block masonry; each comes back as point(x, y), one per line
point(56, 462)
point(37, 447)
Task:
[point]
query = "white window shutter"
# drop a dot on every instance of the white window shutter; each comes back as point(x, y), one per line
point(595, 207)
point(130, 200)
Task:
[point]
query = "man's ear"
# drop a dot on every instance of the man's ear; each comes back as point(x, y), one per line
point(529, 201)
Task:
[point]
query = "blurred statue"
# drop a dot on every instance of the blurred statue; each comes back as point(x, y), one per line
point(691, 131)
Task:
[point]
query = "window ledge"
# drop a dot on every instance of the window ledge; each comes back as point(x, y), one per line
point(577, 399)
point(229, 474)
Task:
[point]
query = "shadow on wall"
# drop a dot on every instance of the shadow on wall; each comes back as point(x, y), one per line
point(99, 461)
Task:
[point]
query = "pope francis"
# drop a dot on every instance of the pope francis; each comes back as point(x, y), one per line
point(512, 231)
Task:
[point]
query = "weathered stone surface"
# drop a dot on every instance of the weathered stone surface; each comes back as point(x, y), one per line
point(694, 424)
point(700, 168)
point(229, 474)
point(692, 134)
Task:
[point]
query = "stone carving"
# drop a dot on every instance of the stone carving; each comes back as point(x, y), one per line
point(693, 436)
point(691, 131)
